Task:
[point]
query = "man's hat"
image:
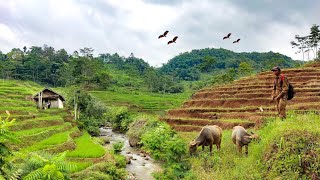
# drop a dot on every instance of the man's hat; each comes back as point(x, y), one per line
point(276, 69)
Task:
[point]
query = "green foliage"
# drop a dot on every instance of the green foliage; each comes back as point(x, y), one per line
point(165, 145)
point(275, 156)
point(6, 137)
point(117, 147)
point(158, 82)
point(189, 65)
point(91, 112)
point(295, 155)
point(46, 166)
point(119, 118)
point(120, 161)
point(245, 69)
point(162, 139)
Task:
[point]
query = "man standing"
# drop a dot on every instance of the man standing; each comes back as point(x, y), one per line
point(280, 92)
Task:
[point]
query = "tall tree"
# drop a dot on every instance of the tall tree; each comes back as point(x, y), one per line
point(314, 39)
point(302, 44)
point(87, 52)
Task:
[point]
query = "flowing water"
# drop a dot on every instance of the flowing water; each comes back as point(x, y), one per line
point(142, 165)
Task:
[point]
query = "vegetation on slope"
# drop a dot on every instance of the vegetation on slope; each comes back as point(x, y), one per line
point(46, 137)
point(288, 150)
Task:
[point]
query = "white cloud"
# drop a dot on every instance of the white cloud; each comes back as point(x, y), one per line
point(126, 26)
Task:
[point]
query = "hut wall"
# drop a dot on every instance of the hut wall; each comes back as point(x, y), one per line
point(60, 103)
point(54, 104)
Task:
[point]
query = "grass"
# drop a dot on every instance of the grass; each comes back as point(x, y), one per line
point(86, 148)
point(145, 101)
point(49, 142)
point(39, 130)
point(228, 162)
point(19, 108)
point(56, 117)
point(30, 124)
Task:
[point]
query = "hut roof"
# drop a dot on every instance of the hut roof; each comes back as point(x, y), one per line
point(53, 94)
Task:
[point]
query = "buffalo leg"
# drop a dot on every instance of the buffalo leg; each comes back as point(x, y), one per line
point(239, 148)
point(246, 149)
point(219, 146)
point(210, 149)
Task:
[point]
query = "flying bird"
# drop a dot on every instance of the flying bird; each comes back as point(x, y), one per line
point(236, 41)
point(173, 40)
point(226, 37)
point(163, 35)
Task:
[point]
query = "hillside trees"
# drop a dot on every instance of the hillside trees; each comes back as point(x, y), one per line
point(90, 112)
point(51, 67)
point(189, 65)
point(245, 68)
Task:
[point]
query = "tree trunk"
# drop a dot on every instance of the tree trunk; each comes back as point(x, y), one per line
point(75, 108)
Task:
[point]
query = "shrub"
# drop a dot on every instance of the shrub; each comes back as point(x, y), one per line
point(117, 147)
point(119, 118)
point(105, 170)
point(103, 140)
point(120, 161)
point(165, 145)
point(177, 88)
point(295, 155)
point(92, 112)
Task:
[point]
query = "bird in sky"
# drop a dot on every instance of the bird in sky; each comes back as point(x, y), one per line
point(226, 37)
point(236, 41)
point(163, 35)
point(173, 40)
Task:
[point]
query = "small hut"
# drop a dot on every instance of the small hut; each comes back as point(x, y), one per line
point(48, 96)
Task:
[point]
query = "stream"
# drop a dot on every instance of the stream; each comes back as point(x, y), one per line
point(141, 165)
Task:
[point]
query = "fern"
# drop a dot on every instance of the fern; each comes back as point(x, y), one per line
point(16, 175)
point(5, 137)
point(34, 175)
point(52, 167)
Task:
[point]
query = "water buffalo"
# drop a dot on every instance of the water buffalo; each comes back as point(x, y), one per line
point(208, 136)
point(241, 137)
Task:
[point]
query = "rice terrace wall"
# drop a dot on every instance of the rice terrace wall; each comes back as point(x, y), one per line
point(245, 102)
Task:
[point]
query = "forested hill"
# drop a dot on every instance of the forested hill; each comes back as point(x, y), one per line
point(56, 68)
point(189, 65)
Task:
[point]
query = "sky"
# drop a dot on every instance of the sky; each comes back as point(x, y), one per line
point(133, 26)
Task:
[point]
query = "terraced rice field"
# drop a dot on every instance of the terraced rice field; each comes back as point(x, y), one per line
point(240, 103)
point(51, 130)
